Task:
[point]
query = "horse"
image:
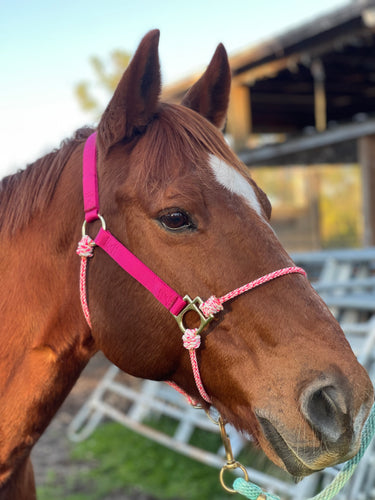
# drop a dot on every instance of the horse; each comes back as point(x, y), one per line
point(273, 361)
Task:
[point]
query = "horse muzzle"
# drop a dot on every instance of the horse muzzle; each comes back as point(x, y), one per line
point(301, 459)
point(327, 435)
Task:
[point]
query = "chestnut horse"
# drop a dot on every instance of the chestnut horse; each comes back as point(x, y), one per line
point(275, 363)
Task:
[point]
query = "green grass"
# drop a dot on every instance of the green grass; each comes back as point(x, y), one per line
point(122, 461)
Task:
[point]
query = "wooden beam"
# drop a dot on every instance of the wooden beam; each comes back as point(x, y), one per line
point(239, 115)
point(366, 154)
point(320, 101)
point(273, 152)
point(267, 70)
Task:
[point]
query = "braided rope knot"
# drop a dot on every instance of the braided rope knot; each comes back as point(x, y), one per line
point(211, 306)
point(85, 247)
point(190, 339)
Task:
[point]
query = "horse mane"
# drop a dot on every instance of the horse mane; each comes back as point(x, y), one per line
point(30, 191)
point(174, 130)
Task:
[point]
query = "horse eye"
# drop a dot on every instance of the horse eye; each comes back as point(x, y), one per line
point(176, 220)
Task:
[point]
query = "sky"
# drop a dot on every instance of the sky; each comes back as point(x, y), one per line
point(45, 48)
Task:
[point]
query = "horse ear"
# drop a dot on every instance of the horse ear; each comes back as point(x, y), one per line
point(136, 97)
point(209, 96)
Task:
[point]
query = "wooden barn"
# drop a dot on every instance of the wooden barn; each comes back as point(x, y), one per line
point(302, 117)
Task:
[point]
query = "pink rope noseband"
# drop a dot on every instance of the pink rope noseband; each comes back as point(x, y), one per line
point(213, 305)
point(85, 250)
point(143, 274)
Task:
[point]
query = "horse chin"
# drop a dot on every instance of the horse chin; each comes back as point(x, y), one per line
point(291, 461)
point(298, 461)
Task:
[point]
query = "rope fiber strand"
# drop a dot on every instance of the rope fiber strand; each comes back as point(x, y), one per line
point(213, 305)
point(85, 250)
point(252, 491)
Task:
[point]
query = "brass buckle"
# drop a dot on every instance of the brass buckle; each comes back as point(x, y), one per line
point(193, 305)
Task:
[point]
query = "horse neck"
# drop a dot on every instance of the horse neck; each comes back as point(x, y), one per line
point(45, 340)
point(21, 485)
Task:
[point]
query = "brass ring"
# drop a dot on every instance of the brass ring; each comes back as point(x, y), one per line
point(235, 465)
point(102, 221)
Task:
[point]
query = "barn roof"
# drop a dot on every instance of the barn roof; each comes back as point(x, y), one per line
point(316, 78)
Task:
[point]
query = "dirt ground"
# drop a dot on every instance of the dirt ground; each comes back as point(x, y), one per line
point(52, 450)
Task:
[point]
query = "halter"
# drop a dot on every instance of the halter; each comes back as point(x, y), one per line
point(178, 307)
point(168, 297)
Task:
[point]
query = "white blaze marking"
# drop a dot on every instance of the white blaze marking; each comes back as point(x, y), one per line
point(232, 180)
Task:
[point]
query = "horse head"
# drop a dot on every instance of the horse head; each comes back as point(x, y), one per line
point(274, 362)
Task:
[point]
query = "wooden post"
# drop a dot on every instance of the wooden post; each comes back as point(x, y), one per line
point(239, 115)
point(366, 156)
point(320, 101)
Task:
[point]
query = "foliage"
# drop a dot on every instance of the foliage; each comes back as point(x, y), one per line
point(105, 80)
point(340, 206)
point(123, 461)
point(321, 204)
point(126, 460)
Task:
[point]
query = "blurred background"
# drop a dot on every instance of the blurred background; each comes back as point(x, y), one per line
point(302, 96)
point(301, 117)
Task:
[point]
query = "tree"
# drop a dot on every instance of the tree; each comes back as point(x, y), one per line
point(105, 81)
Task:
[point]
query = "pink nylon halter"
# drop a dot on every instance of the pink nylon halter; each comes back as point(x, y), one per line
point(168, 297)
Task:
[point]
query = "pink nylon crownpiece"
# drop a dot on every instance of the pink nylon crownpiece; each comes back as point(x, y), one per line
point(90, 180)
point(129, 262)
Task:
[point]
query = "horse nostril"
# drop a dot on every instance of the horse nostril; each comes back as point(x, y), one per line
point(326, 410)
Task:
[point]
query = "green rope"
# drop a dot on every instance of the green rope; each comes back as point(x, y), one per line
point(252, 491)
